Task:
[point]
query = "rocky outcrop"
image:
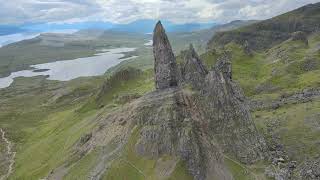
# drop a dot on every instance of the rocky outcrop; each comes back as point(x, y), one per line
point(221, 106)
point(196, 126)
point(165, 62)
point(123, 75)
point(300, 36)
point(310, 170)
point(172, 123)
point(224, 65)
point(230, 121)
point(303, 96)
point(192, 69)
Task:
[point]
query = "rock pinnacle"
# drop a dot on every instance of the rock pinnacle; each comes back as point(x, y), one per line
point(165, 63)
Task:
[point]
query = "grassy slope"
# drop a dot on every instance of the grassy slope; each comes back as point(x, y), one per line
point(38, 114)
point(298, 128)
point(181, 40)
point(40, 124)
point(286, 73)
point(266, 34)
point(40, 140)
point(39, 128)
point(136, 167)
point(283, 73)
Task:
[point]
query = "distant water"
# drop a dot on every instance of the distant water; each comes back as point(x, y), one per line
point(149, 43)
point(71, 69)
point(12, 38)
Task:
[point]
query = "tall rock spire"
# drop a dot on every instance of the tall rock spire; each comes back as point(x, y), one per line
point(192, 70)
point(165, 63)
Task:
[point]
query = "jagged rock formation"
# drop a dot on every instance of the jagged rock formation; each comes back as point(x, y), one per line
point(192, 70)
point(165, 62)
point(215, 117)
point(230, 120)
point(172, 124)
point(196, 126)
point(225, 108)
point(224, 65)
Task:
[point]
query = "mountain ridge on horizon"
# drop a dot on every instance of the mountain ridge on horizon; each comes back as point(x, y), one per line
point(138, 26)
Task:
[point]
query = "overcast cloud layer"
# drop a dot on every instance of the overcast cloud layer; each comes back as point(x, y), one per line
point(124, 11)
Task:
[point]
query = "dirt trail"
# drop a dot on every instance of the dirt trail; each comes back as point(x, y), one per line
point(256, 177)
point(10, 154)
point(135, 167)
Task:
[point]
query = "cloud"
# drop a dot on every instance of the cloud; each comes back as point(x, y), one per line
point(34, 11)
point(123, 11)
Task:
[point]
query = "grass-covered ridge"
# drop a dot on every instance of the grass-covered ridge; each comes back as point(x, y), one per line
point(266, 34)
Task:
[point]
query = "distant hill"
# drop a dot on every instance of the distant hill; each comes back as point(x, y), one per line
point(7, 30)
point(265, 34)
point(146, 26)
point(47, 27)
point(139, 26)
point(200, 38)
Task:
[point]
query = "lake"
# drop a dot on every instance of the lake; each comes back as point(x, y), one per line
point(70, 69)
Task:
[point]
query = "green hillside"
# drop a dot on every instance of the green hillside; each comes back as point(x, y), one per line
point(50, 122)
point(266, 34)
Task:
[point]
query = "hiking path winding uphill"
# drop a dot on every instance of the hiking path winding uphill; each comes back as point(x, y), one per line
point(9, 153)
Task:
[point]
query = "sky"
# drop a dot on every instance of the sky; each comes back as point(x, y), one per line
point(125, 11)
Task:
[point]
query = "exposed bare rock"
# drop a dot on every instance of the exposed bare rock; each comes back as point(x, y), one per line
point(192, 69)
point(169, 122)
point(224, 65)
point(310, 170)
point(300, 36)
point(230, 119)
point(172, 122)
point(165, 62)
point(225, 108)
point(195, 126)
point(303, 96)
